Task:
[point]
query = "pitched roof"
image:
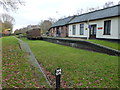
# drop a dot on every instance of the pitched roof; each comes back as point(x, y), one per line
point(62, 22)
point(99, 14)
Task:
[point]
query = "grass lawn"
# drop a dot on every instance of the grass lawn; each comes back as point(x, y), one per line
point(80, 68)
point(16, 70)
point(0, 63)
point(107, 43)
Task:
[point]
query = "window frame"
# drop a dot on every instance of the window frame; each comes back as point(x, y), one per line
point(73, 29)
point(107, 27)
point(81, 29)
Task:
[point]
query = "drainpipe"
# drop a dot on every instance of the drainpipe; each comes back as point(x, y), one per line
point(88, 30)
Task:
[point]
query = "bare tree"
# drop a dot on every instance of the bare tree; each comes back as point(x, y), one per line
point(118, 2)
point(11, 4)
point(45, 25)
point(108, 4)
point(7, 25)
point(7, 18)
point(62, 17)
point(91, 9)
point(52, 20)
point(7, 21)
point(79, 11)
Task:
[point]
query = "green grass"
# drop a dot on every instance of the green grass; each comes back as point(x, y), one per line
point(107, 43)
point(16, 70)
point(0, 62)
point(80, 68)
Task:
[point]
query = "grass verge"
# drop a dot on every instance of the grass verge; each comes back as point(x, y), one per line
point(80, 68)
point(0, 63)
point(16, 70)
point(107, 43)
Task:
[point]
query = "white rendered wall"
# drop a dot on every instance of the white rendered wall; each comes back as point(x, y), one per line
point(115, 32)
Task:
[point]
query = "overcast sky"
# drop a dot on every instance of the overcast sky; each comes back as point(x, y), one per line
point(36, 10)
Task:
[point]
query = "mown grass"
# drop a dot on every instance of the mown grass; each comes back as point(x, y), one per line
point(80, 68)
point(107, 43)
point(16, 70)
point(0, 63)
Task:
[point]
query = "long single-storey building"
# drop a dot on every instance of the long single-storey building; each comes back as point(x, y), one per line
point(103, 24)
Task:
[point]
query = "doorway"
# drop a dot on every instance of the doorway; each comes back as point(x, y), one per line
point(93, 31)
point(58, 32)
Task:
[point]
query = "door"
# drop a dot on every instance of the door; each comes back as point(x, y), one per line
point(93, 31)
point(57, 33)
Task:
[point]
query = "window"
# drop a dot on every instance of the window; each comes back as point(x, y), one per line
point(74, 29)
point(107, 27)
point(81, 29)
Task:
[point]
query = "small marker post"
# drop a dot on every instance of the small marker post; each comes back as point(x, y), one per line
point(58, 75)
